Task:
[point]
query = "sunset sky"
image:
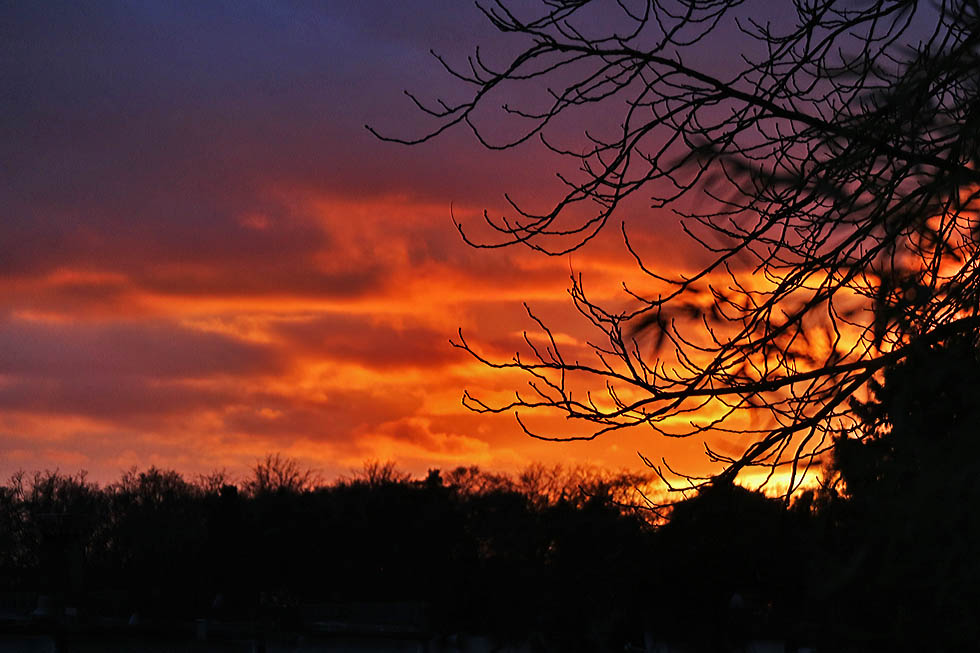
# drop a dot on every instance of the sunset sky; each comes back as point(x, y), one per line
point(207, 257)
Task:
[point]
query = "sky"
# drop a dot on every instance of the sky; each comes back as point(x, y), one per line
point(207, 258)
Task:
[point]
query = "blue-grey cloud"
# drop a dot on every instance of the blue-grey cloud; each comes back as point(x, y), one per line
point(153, 350)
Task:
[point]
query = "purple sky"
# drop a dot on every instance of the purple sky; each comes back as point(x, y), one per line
point(208, 258)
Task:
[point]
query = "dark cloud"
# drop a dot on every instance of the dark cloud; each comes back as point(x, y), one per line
point(135, 138)
point(76, 297)
point(115, 399)
point(333, 418)
point(419, 433)
point(139, 132)
point(150, 350)
point(360, 339)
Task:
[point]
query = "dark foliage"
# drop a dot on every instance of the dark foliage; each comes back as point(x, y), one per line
point(490, 553)
point(905, 502)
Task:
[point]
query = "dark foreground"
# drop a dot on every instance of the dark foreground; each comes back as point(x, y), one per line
point(883, 557)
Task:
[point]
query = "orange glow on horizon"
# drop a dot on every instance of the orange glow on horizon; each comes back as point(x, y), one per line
point(330, 378)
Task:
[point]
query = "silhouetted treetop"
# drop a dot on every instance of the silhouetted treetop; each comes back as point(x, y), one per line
point(278, 474)
point(547, 556)
point(828, 173)
point(903, 499)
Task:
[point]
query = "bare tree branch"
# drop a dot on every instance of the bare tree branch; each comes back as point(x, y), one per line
point(837, 172)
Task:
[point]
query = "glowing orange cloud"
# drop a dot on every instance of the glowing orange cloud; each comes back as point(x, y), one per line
point(207, 258)
point(338, 356)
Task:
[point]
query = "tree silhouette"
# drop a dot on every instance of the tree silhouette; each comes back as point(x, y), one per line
point(728, 579)
point(907, 506)
point(828, 174)
point(498, 555)
point(278, 474)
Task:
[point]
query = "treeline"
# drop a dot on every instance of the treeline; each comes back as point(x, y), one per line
point(883, 555)
point(490, 553)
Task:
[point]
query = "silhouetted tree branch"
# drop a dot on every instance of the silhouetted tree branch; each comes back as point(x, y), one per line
point(278, 474)
point(835, 164)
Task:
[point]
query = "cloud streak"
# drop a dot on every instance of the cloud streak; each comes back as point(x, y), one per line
point(207, 257)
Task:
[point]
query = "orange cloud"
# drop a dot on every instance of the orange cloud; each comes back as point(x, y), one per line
point(208, 258)
point(334, 348)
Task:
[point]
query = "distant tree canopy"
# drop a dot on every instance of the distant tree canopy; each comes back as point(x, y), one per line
point(484, 550)
point(882, 556)
point(834, 159)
